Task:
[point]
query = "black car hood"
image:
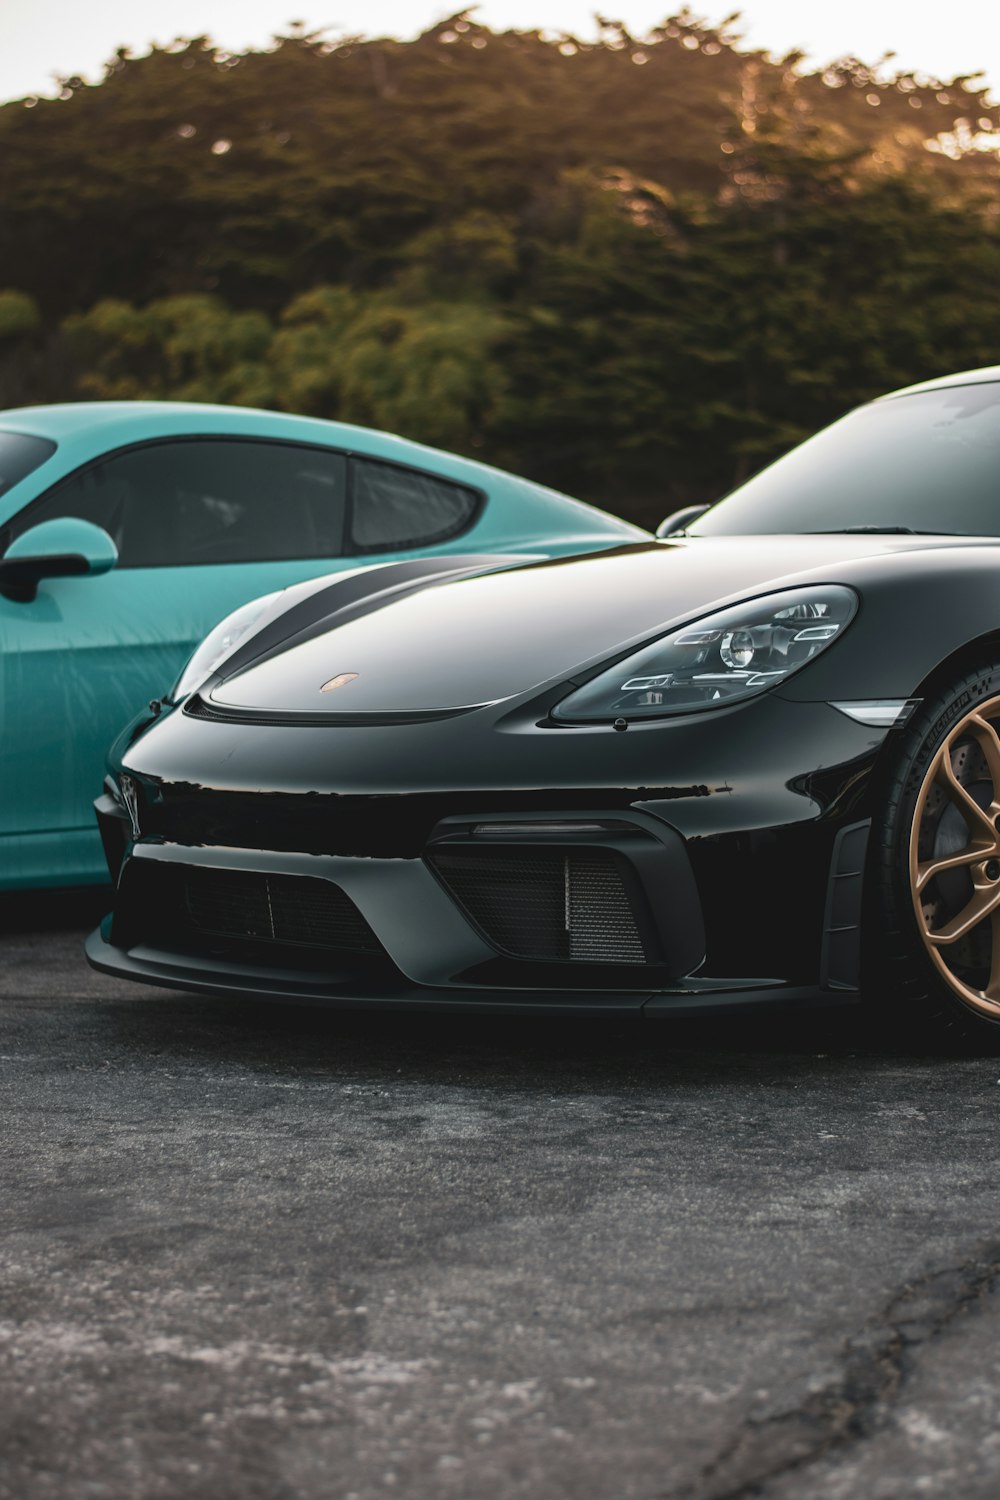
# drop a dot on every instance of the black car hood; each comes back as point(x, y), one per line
point(470, 641)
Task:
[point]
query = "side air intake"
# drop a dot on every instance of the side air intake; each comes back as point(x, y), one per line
point(559, 904)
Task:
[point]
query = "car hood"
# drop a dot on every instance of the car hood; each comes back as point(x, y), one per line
point(470, 641)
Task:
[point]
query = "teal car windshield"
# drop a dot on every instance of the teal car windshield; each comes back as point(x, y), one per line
point(19, 454)
point(927, 462)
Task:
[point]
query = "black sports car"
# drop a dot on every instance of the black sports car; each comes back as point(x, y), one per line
point(758, 760)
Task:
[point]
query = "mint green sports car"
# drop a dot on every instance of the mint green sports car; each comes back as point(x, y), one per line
point(128, 530)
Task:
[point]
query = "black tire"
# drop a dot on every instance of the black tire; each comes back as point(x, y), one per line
point(912, 1003)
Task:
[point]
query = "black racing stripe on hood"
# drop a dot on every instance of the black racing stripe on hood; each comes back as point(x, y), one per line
point(348, 598)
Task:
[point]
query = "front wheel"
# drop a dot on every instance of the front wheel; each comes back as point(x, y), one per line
point(935, 940)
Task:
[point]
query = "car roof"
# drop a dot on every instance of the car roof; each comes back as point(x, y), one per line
point(108, 424)
point(64, 418)
point(84, 430)
point(985, 376)
point(120, 422)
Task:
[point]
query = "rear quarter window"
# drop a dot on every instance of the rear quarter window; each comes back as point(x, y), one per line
point(393, 507)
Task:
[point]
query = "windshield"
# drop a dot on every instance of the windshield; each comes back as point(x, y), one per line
point(926, 462)
point(19, 454)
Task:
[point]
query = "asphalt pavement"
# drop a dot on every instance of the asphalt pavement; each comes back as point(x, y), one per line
point(261, 1253)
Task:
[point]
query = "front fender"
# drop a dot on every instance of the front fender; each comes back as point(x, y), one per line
point(917, 611)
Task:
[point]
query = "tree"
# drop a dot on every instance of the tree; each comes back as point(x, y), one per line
point(634, 267)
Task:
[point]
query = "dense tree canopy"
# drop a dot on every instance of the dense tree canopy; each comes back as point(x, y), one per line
point(635, 268)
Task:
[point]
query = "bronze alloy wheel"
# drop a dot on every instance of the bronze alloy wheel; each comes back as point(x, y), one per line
point(955, 859)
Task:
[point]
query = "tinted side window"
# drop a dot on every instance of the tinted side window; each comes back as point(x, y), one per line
point(394, 507)
point(209, 500)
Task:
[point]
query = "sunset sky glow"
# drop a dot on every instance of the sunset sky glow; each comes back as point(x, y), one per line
point(42, 39)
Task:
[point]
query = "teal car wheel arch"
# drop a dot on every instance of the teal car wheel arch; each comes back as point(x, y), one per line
point(277, 499)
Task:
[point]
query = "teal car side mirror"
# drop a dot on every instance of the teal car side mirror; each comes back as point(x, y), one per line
point(64, 548)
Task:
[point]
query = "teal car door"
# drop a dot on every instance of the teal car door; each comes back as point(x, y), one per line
point(201, 525)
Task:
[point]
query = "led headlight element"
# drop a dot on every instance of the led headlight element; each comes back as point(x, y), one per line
point(737, 649)
point(731, 655)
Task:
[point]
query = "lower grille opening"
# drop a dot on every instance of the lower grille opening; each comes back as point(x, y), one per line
point(294, 909)
point(288, 921)
point(557, 905)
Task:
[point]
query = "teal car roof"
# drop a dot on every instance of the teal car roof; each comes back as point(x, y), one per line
point(129, 421)
point(114, 423)
point(85, 429)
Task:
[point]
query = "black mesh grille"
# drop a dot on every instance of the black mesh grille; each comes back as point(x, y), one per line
point(294, 909)
point(554, 904)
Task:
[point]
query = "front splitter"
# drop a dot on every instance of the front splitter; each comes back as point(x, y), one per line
point(344, 990)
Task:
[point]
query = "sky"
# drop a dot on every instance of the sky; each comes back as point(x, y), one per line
point(40, 39)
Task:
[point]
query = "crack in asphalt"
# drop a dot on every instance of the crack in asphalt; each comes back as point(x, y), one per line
point(876, 1362)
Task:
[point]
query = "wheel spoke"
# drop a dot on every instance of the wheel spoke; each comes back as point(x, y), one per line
point(962, 773)
point(985, 901)
point(980, 823)
point(985, 735)
point(974, 854)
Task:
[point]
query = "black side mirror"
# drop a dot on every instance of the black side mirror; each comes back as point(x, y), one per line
point(680, 519)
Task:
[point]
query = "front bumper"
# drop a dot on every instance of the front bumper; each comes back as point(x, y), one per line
point(607, 902)
point(424, 949)
point(741, 878)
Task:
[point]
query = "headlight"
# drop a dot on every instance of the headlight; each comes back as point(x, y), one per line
point(728, 656)
point(218, 644)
